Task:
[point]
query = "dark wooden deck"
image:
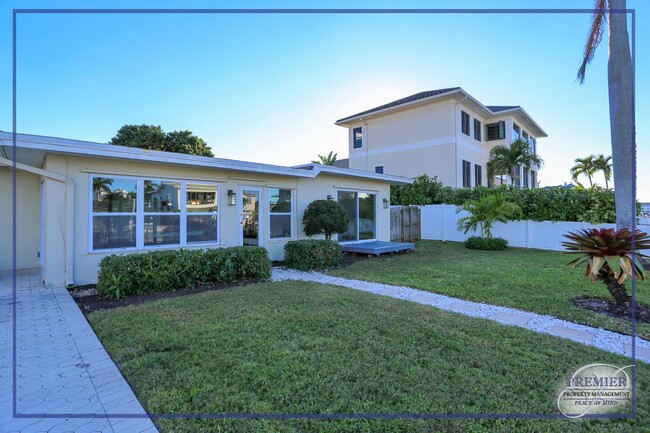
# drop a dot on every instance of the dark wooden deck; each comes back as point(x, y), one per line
point(376, 248)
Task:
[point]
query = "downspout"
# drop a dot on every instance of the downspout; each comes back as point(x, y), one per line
point(69, 198)
point(456, 142)
point(69, 229)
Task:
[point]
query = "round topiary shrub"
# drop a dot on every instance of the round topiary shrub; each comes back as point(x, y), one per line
point(326, 217)
point(488, 244)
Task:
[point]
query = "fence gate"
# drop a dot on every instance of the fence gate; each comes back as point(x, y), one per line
point(405, 223)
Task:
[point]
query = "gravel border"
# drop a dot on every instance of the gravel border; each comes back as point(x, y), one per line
point(600, 338)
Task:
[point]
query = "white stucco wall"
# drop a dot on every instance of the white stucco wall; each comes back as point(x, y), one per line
point(79, 170)
point(27, 215)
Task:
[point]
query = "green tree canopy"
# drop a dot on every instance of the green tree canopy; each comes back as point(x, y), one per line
point(152, 137)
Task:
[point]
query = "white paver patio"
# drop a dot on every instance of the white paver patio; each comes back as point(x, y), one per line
point(606, 340)
point(65, 380)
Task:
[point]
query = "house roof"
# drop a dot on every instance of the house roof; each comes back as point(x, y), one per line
point(34, 147)
point(423, 98)
point(498, 108)
point(408, 99)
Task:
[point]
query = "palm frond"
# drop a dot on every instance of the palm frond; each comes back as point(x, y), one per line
point(593, 39)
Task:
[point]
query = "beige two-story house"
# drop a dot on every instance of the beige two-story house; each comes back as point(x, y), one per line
point(445, 133)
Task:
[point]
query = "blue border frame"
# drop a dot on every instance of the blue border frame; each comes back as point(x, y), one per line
point(632, 12)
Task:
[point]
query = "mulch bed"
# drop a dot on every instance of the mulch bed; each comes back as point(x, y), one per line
point(88, 300)
point(610, 308)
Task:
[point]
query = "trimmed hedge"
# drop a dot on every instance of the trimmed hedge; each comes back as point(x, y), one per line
point(309, 254)
point(594, 206)
point(488, 244)
point(167, 270)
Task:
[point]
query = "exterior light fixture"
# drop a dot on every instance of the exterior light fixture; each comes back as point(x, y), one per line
point(330, 197)
point(232, 198)
point(386, 203)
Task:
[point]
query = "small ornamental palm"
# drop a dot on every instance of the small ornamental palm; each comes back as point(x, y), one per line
point(611, 257)
point(485, 212)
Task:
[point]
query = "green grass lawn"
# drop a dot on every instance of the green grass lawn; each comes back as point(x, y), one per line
point(293, 347)
point(530, 280)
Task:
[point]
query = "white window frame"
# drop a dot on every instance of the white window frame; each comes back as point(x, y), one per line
point(353, 138)
point(382, 169)
point(185, 213)
point(140, 214)
point(292, 214)
point(464, 113)
point(181, 205)
point(478, 131)
point(260, 217)
point(360, 191)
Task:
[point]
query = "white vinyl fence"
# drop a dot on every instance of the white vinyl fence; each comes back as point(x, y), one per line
point(439, 222)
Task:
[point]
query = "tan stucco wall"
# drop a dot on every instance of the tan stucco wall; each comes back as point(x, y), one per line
point(27, 216)
point(435, 160)
point(427, 140)
point(79, 171)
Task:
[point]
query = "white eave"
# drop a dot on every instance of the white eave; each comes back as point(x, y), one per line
point(349, 172)
point(87, 148)
point(44, 144)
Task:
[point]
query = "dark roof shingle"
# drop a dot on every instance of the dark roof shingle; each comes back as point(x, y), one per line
point(497, 108)
point(417, 96)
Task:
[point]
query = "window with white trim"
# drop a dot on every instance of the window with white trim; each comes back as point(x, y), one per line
point(280, 213)
point(379, 169)
point(113, 212)
point(137, 213)
point(162, 218)
point(357, 138)
point(201, 204)
point(464, 122)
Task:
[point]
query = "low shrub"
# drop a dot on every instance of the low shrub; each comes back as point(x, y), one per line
point(159, 271)
point(311, 254)
point(488, 244)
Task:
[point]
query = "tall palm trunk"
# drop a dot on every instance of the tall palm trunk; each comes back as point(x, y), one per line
point(621, 114)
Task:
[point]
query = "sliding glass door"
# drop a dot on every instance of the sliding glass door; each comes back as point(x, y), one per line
point(361, 209)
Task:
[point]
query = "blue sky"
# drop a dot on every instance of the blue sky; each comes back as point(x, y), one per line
point(269, 88)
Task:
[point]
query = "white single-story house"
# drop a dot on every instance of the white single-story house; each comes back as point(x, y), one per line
point(78, 201)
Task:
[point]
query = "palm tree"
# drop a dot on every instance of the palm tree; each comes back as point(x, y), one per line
point(604, 164)
point(621, 100)
point(585, 166)
point(101, 185)
point(330, 159)
point(485, 212)
point(508, 159)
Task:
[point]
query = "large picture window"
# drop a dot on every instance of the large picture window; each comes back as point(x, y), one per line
point(361, 210)
point(202, 207)
point(162, 219)
point(114, 206)
point(280, 213)
point(140, 213)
